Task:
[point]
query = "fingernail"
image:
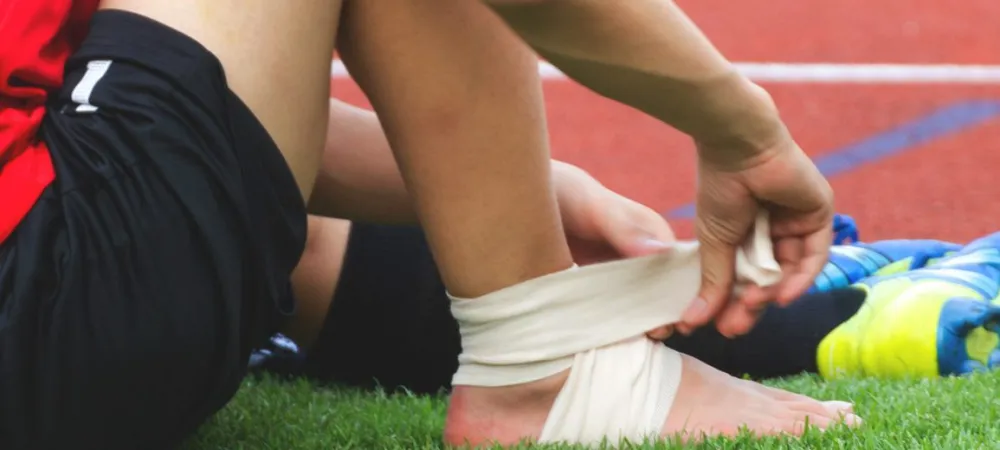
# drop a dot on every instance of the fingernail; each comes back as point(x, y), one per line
point(695, 310)
point(653, 244)
point(853, 420)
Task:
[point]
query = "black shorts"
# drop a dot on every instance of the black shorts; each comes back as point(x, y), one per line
point(390, 325)
point(134, 290)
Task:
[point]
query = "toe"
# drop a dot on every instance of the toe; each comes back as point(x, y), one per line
point(815, 408)
point(836, 406)
point(809, 421)
point(783, 395)
point(839, 406)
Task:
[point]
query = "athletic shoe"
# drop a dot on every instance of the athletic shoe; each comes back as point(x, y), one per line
point(845, 231)
point(938, 320)
point(279, 356)
point(851, 260)
point(854, 262)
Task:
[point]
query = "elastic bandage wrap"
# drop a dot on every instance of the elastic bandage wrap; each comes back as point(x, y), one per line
point(593, 320)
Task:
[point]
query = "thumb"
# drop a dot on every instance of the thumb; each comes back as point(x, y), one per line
point(718, 267)
point(635, 230)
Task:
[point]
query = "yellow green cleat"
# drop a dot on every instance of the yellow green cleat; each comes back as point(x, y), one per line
point(937, 320)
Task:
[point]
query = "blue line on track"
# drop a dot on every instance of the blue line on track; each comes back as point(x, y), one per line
point(939, 123)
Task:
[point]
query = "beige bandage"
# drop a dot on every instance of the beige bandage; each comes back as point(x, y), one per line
point(593, 319)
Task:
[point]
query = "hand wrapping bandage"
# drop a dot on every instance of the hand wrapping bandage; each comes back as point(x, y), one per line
point(593, 319)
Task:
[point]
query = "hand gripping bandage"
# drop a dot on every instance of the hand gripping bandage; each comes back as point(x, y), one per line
point(593, 320)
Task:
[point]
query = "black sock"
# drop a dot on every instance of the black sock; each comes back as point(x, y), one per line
point(783, 342)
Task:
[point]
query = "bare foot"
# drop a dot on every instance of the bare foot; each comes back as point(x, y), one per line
point(708, 403)
point(712, 403)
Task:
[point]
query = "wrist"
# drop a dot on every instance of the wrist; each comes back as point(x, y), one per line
point(748, 123)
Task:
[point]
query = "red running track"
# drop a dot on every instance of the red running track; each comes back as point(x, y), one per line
point(940, 189)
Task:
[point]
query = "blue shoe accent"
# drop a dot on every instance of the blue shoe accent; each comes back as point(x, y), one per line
point(980, 260)
point(851, 263)
point(976, 266)
point(960, 318)
point(845, 231)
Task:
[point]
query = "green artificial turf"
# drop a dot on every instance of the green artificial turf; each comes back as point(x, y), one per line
point(954, 413)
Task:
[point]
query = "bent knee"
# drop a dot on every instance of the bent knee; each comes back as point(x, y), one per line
point(316, 277)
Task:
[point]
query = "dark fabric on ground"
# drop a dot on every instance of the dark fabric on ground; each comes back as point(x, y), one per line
point(783, 342)
point(134, 290)
point(390, 322)
point(390, 319)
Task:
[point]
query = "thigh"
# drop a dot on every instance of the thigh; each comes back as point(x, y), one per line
point(276, 56)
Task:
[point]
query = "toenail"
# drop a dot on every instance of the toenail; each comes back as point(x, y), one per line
point(841, 406)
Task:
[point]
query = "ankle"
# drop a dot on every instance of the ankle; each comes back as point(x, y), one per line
point(504, 415)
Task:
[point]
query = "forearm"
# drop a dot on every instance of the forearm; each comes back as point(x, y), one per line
point(359, 179)
point(649, 55)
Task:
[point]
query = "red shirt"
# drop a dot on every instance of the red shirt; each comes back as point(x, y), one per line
point(38, 36)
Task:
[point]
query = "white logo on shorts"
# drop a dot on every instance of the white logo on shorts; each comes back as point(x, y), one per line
point(81, 93)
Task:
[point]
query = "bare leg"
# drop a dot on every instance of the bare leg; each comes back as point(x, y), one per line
point(461, 103)
point(315, 278)
point(470, 139)
point(359, 178)
point(277, 59)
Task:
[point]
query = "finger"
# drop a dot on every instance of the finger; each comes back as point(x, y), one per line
point(660, 333)
point(757, 297)
point(736, 319)
point(640, 247)
point(816, 252)
point(718, 266)
point(683, 328)
point(651, 222)
point(635, 230)
point(789, 252)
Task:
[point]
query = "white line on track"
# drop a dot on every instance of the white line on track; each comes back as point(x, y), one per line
point(829, 73)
